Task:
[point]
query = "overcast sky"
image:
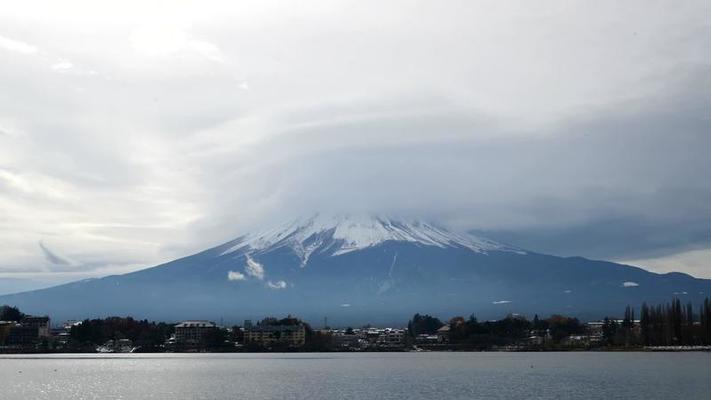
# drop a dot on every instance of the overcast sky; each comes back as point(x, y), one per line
point(136, 133)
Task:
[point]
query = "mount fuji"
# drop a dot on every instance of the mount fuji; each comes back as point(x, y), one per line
point(357, 270)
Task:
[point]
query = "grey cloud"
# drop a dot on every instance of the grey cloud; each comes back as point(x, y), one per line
point(52, 257)
point(624, 237)
point(643, 164)
point(497, 120)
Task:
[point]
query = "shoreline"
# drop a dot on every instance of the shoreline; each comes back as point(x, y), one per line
point(651, 349)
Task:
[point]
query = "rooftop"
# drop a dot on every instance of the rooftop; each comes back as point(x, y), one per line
point(196, 324)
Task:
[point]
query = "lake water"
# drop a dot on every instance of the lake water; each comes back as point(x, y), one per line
point(359, 376)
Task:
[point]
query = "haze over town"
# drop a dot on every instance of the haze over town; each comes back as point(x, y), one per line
point(133, 134)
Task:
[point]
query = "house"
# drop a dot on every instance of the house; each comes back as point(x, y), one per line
point(595, 328)
point(5, 327)
point(39, 323)
point(347, 339)
point(424, 338)
point(390, 338)
point(193, 332)
point(443, 333)
point(576, 340)
point(536, 340)
point(24, 332)
point(21, 335)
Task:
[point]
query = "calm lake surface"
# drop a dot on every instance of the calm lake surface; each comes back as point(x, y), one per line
point(359, 376)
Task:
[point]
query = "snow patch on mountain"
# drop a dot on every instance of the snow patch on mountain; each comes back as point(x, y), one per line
point(344, 234)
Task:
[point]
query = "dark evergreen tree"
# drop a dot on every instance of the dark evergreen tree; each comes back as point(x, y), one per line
point(537, 326)
point(706, 322)
point(424, 324)
point(645, 327)
point(561, 326)
point(689, 326)
point(10, 313)
point(609, 331)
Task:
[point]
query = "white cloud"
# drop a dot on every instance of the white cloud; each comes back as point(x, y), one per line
point(630, 284)
point(276, 285)
point(164, 40)
point(254, 269)
point(35, 184)
point(345, 305)
point(501, 302)
point(17, 46)
point(62, 65)
point(235, 276)
point(156, 40)
point(206, 49)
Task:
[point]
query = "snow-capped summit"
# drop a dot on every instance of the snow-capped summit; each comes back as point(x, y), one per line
point(336, 235)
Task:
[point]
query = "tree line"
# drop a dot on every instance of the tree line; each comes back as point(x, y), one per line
point(149, 336)
point(670, 324)
point(511, 330)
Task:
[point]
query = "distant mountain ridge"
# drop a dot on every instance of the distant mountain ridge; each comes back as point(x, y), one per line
point(361, 269)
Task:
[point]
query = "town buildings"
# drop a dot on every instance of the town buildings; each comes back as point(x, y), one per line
point(390, 338)
point(367, 338)
point(347, 340)
point(269, 334)
point(24, 333)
